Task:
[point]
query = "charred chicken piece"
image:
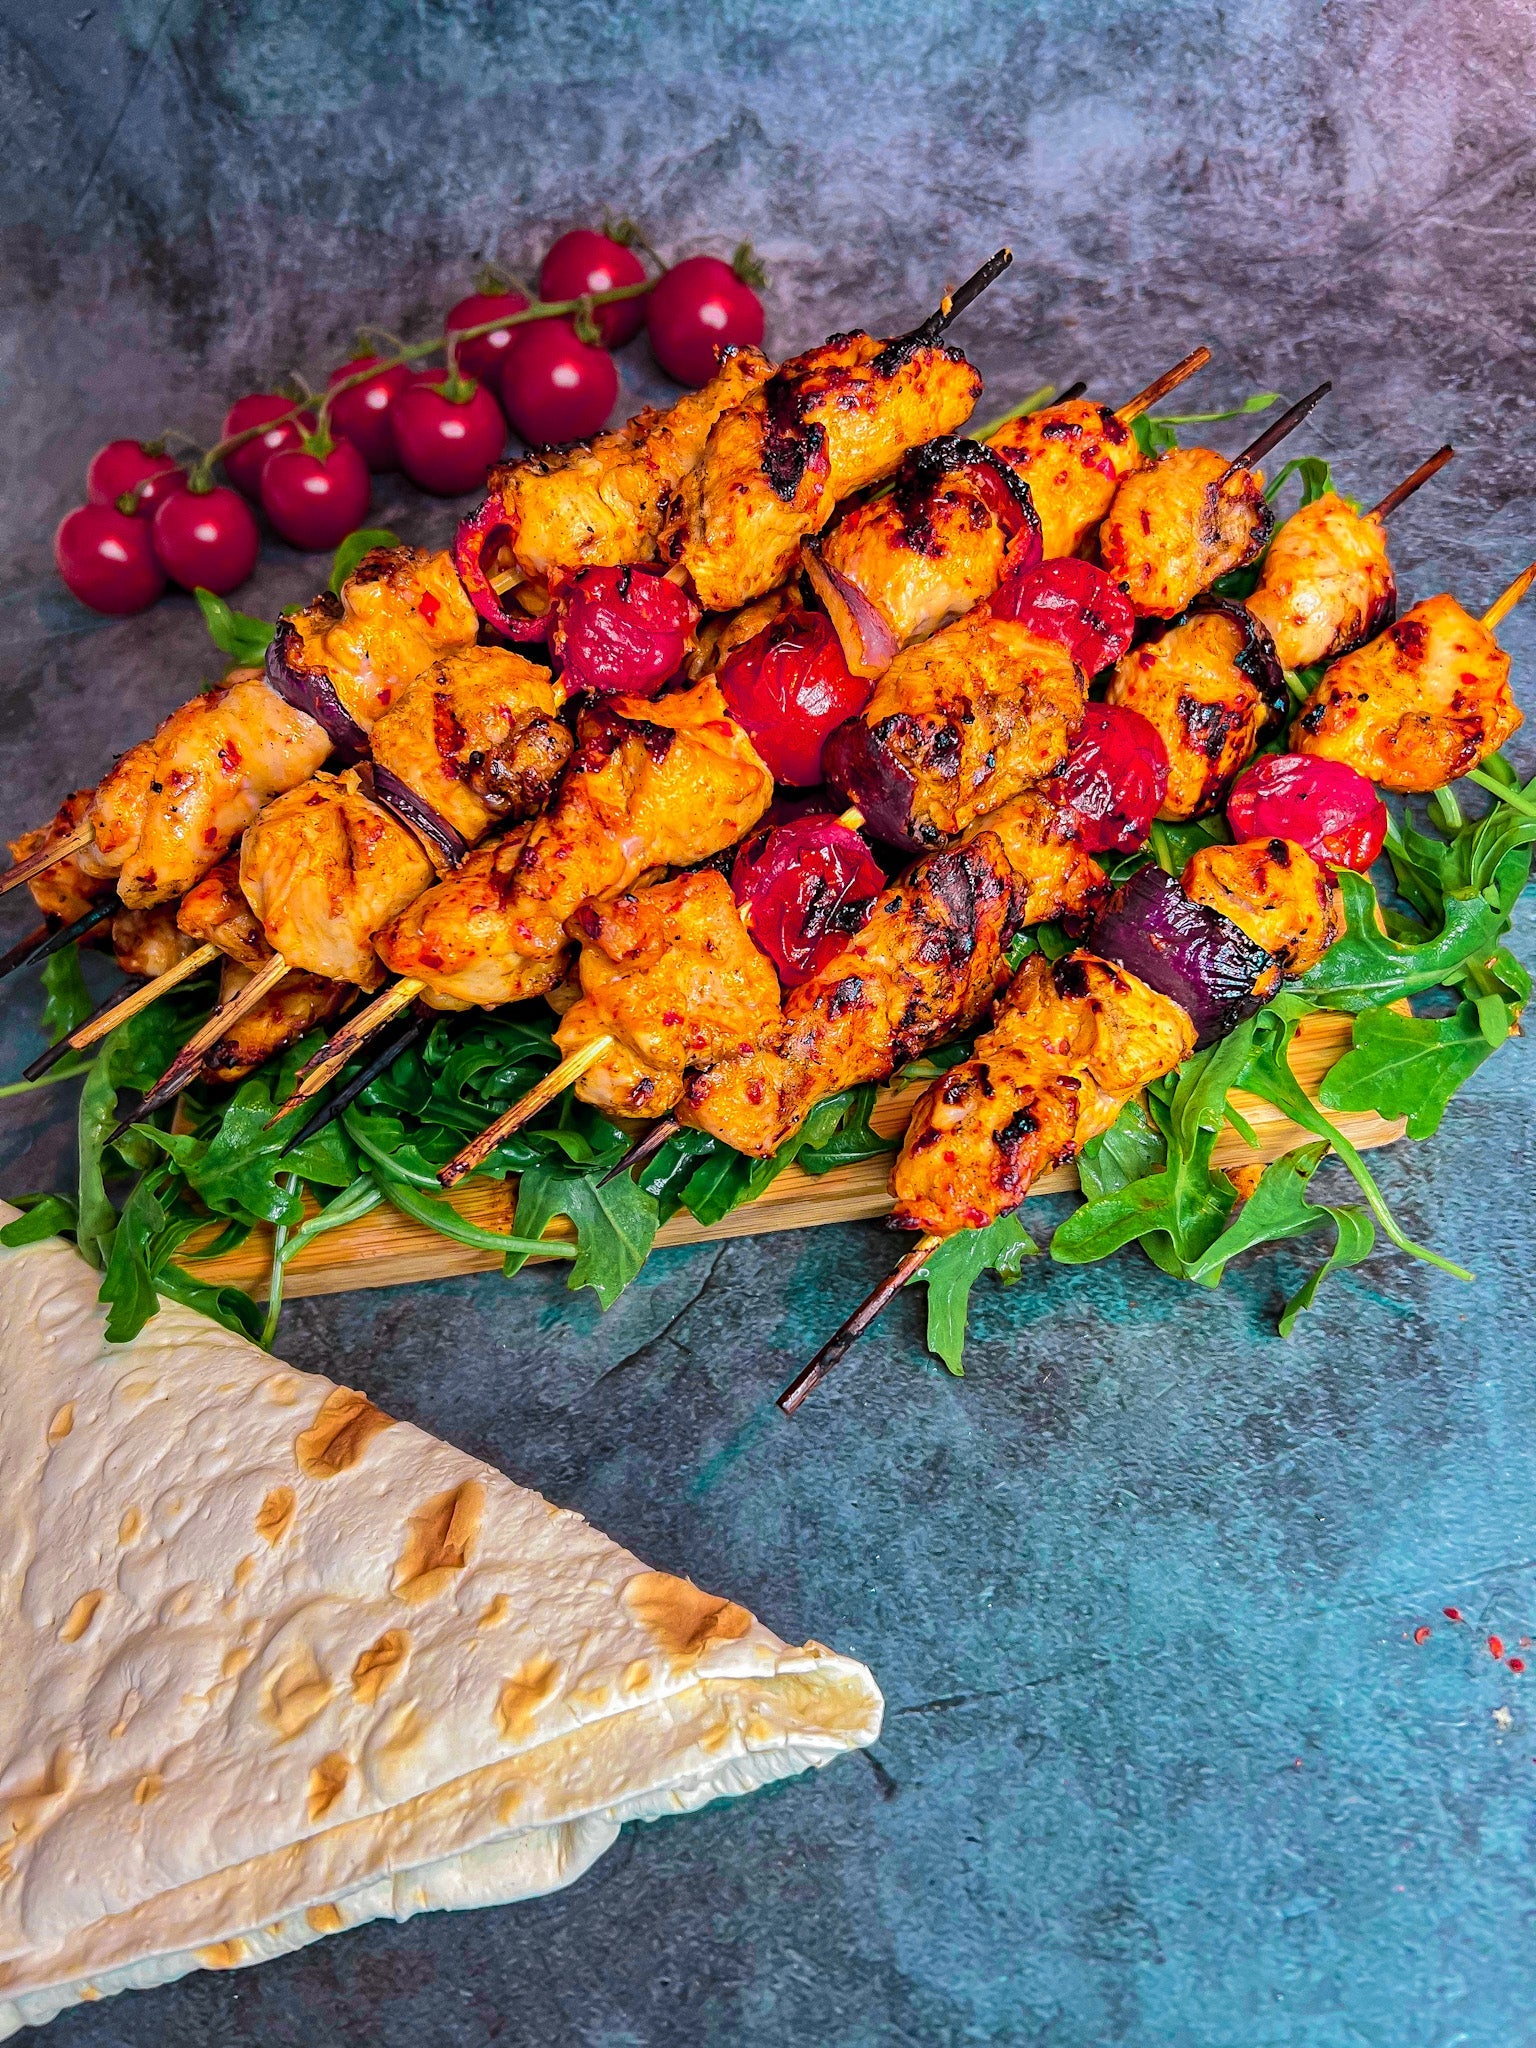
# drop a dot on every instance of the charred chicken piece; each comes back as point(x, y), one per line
point(1073, 458)
point(1071, 1043)
point(956, 726)
point(1425, 702)
point(216, 913)
point(1212, 687)
point(1326, 584)
point(671, 974)
point(146, 943)
point(324, 868)
point(175, 804)
point(653, 783)
point(1272, 889)
point(922, 970)
point(1176, 526)
point(475, 739)
point(280, 1019)
point(1056, 878)
point(346, 658)
point(826, 424)
point(68, 889)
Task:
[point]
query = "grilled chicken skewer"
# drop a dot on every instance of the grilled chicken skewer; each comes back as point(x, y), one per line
point(1073, 1042)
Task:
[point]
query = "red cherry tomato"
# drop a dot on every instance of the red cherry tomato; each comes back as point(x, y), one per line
point(243, 465)
point(447, 444)
point(1115, 778)
point(791, 688)
point(124, 466)
point(585, 261)
point(107, 560)
point(1326, 806)
point(1072, 602)
point(362, 415)
point(694, 310)
point(804, 889)
point(557, 388)
point(207, 539)
point(315, 501)
point(620, 629)
point(484, 356)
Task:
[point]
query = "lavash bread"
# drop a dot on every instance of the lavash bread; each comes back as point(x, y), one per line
point(275, 1665)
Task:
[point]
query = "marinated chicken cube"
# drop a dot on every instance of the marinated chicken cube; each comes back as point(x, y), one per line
point(1073, 458)
point(1275, 891)
point(72, 886)
point(216, 913)
point(1211, 691)
point(1175, 527)
point(297, 1004)
point(1326, 584)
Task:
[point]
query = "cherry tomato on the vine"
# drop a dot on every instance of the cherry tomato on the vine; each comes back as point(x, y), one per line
point(448, 436)
point(484, 356)
point(1115, 778)
point(585, 261)
point(697, 308)
point(207, 538)
point(1329, 808)
point(555, 387)
point(107, 559)
point(128, 466)
point(243, 465)
point(316, 500)
point(791, 687)
point(363, 414)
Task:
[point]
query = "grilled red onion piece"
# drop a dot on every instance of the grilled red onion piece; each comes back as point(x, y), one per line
point(860, 767)
point(480, 537)
point(878, 646)
point(418, 816)
point(1186, 951)
point(312, 691)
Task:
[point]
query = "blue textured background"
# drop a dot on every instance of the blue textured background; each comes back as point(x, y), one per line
point(1163, 1763)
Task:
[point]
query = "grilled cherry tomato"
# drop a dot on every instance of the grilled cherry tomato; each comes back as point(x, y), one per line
point(620, 629)
point(1326, 806)
point(243, 465)
point(207, 539)
point(107, 559)
point(803, 890)
point(315, 500)
point(585, 261)
point(699, 307)
point(1074, 603)
point(448, 435)
point(484, 356)
point(129, 466)
point(362, 414)
point(555, 387)
point(791, 688)
point(1115, 778)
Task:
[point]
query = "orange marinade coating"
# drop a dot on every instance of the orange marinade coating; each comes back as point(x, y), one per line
point(1073, 458)
point(1176, 526)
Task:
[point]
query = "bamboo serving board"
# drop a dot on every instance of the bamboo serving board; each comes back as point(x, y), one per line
point(386, 1249)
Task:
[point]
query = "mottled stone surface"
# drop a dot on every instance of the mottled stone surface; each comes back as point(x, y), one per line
point(1163, 1763)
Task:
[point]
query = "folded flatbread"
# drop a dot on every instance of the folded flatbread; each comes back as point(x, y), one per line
point(274, 1664)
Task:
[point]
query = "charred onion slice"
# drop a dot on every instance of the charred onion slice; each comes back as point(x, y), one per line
point(312, 691)
point(1186, 951)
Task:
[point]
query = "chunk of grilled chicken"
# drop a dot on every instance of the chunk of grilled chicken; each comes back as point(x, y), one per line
point(175, 804)
point(146, 943)
point(400, 610)
point(1056, 877)
point(956, 726)
point(324, 868)
point(477, 738)
point(653, 783)
point(1275, 891)
point(827, 423)
point(71, 886)
point(1074, 458)
point(216, 913)
point(1326, 584)
point(280, 1019)
point(1425, 702)
point(670, 973)
point(1177, 525)
point(924, 969)
point(1071, 1043)
point(1212, 693)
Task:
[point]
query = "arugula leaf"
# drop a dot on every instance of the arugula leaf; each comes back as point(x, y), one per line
point(243, 638)
point(1316, 480)
point(1354, 1240)
point(1172, 845)
point(1129, 1150)
point(353, 549)
point(1278, 1210)
point(1155, 436)
point(354, 1202)
point(1365, 968)
point(952, 1270)
point(231, 1306)
point(850, 1139)
point(68, 999)
point(1412, 1066)
point(148, 1232)
point(41, 1216)
point(615, 1228)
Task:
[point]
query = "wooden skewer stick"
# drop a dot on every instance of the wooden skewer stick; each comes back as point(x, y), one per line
point(643, 1148)
point(836, 1348)
point(1410, 484)
point(343, 1044)
point(140, 998)
point(1276, 432)
point(34, 864)
point(46, 1061)
point(1502, 606)
point(187, 1064)
point(46, 940)
point(478, 1150)
point(328, 1112)
point(1160, 387)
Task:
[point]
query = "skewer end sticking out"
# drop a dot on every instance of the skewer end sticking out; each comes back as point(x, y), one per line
point(1275, 433)
point(47, 858)
point(836, 1348)
point(1410, 484)
point(643, 1149)
point(1160, 387)
point(1503, 605)
point(341, 1045)
point(478, 1150)
point(189, 1062)
point(45, 942)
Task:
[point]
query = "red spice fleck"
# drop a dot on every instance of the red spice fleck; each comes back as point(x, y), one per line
point(1495, 1646)
point(1517, 1663)
point(1421, 1634)
point(671, 1017)
point(429, 607)
point(1451, 1613)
